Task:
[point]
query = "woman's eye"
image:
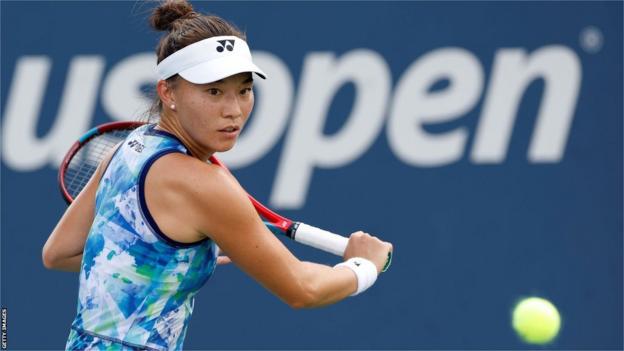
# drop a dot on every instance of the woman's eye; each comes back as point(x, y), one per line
point(213, 91)
point(246, 91)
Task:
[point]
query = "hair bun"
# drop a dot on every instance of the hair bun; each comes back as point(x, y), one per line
point(168, 12)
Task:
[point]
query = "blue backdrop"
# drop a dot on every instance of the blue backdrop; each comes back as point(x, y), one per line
point(484, 139)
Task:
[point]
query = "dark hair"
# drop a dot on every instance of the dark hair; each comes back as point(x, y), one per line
point(184, 27)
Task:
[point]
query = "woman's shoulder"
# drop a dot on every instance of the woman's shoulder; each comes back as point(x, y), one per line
point(187, 195)
point(191, 176)
point(193, 196)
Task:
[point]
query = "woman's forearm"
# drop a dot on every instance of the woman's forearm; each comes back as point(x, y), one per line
point(327, 285)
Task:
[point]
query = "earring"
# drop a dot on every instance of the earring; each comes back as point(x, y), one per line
point(172, 106)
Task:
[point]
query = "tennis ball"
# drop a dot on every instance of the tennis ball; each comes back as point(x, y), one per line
point(536, 320)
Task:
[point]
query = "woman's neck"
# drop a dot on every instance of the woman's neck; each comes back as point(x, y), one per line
point(172, 125)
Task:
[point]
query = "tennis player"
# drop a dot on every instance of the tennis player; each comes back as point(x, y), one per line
point(143, 232)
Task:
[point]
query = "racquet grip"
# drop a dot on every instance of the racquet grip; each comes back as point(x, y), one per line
point(326, 241)
point(320, 239)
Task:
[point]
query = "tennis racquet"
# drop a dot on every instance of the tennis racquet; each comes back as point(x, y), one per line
point(88, 151)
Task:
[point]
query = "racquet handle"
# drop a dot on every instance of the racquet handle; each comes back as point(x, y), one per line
point(326, 241)
point(320, 239)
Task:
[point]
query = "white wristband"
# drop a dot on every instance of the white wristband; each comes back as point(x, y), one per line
point(365, 271)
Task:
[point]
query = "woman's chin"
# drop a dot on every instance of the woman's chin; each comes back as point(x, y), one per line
point(224, 147)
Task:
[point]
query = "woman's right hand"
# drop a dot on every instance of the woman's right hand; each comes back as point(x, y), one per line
point(364, 245)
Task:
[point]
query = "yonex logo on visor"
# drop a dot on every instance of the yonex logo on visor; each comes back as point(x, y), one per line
point(209, 60)
point(229, 46)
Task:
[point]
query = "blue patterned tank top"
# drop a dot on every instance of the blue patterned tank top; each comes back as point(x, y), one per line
point(137, 285)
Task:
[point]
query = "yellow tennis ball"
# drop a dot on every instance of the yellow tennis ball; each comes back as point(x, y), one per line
point(536, 320)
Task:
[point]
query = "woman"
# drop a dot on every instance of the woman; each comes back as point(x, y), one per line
point(143, 232)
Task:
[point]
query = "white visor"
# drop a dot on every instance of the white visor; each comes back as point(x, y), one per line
point(209, 60)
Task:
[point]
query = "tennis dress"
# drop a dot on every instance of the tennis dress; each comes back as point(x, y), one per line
point(137, 286)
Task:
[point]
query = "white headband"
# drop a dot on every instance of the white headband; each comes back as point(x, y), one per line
point(209, 60)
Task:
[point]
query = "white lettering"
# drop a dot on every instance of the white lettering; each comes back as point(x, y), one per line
point(306, 147)
point(22, 150)
point(122, 97)
point(512, 73)
point(414, 106)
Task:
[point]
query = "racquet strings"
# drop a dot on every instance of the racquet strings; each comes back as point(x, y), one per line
point(86, 160)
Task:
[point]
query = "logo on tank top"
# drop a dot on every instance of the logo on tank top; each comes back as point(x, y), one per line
point(136, 146)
